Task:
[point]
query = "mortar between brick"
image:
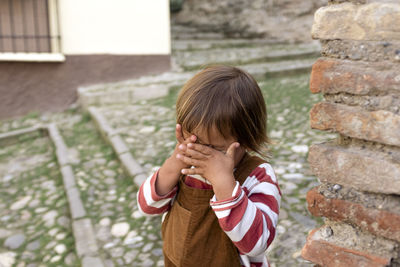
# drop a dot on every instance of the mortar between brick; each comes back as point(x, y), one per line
point(390, 203)
point(338, 244)
point(371, 51)
point(351, 237)
point(387, 101)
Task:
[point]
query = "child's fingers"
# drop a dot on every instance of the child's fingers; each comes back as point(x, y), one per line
point(181, 139)
point(195, 154)
point(201, 148)
point(192, 171)
point(191, 139)
point(182, 148)
point(188, 160)
point(232, 149)
point(178, 133)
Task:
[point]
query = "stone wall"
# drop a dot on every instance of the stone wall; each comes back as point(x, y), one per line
point(278, 21)
point(359, 76)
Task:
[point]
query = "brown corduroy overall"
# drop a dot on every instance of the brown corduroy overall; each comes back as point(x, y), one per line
point(191, 232)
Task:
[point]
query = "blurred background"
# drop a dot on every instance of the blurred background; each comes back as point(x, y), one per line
point(88, 90)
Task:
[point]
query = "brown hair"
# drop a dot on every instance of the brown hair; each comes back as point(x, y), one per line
point(229, 99)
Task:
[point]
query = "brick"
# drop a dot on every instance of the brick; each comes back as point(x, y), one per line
point(338, 245)
point(379, 126)
point(374, 21)
point(375, 221)
point(333, 76)
point(355, 167)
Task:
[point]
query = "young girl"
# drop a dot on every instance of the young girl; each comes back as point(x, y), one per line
point(222, 203)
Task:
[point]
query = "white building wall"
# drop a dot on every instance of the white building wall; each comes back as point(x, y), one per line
point(133, 27)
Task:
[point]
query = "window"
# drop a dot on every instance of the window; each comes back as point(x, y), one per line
point(29, 29)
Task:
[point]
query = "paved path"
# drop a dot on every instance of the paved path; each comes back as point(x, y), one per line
point(35, 222)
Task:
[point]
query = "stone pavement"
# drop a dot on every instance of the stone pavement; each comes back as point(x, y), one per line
point(35, 224)
point(137, 127)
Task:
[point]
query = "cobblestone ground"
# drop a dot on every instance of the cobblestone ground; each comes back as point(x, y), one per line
point(27, 171)
point(34, 218)
point(124, 236)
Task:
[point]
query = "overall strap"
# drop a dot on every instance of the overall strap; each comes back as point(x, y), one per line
point(246, 165)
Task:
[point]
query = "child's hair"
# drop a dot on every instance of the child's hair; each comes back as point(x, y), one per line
point(228, 99)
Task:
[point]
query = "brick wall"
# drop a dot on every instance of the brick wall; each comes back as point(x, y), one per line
point(359, 75)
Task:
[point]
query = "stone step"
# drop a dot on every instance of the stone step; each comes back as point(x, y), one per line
point(258, 57)
point(85, 240)
point(185, 32)
point(288, 67)
point(192, 60)
point(130, 91)
point(201, 44)
point(145, 88)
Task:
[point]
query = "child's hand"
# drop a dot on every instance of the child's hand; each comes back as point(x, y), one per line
point(213, 165)
point(170, 171)
point(182, 143)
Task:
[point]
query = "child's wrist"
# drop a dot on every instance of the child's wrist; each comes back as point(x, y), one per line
point(175, 163)
point(224, 186)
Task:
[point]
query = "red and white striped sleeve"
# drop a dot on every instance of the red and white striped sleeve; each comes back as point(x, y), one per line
point(250, 216)
point(149, 202)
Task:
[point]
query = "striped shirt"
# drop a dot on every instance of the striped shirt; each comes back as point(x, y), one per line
point(249, 217)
